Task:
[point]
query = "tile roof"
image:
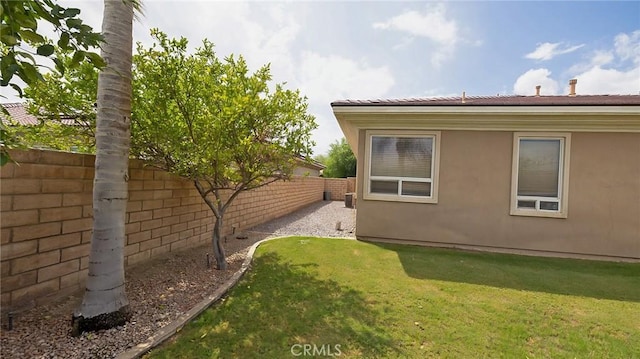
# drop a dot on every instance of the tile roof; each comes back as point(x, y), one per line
point(580, 100)
point(19, 114)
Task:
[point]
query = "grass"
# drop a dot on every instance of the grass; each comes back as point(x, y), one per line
point(383, 301)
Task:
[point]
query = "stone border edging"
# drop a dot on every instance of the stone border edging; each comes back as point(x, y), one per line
point(175, 326)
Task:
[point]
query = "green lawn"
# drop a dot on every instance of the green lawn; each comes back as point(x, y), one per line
point(366, 300)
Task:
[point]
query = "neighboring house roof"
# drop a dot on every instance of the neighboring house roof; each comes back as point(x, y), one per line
point(313, 164)
point(580, 100)
point(19, 114)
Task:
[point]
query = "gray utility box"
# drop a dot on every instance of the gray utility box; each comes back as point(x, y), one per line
point(348, 200)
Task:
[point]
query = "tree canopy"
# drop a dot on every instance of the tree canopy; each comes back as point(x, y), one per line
point(65, 105)
point(340, 160)
point(214, 122)
point(198, 116)
point(20, 34)
point(21, 43)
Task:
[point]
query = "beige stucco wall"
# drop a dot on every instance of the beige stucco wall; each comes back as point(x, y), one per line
point(474, 197)
point(306, 171)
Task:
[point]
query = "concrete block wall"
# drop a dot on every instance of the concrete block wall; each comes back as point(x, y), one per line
point(46, 219)
point(351, 184)
point(339, 187)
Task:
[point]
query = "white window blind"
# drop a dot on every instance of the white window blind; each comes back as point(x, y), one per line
point(539, 167)
point(401, 165)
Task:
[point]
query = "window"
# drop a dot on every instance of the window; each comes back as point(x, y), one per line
point(540, 174)
point(402, 166)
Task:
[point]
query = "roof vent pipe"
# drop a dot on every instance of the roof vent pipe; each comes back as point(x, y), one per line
point(572, 87)
point(464, 97)
point(538, 90)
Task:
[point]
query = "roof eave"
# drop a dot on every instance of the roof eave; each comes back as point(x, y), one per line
point(487, 118)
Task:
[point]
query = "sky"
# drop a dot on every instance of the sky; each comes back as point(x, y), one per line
point(336, 50)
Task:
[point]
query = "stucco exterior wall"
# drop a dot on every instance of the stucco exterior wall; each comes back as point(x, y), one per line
point(306, 171)
point(474, 200)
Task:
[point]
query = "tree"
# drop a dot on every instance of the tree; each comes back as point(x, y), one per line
point(321, 158)
point(214, 123)
point(22, 44)
point(65, 104)
point(341, 161)
point(105, 303)
point(58, 135)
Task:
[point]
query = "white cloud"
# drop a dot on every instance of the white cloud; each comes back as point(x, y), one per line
point(601, 58)
point(628, 46)
point(597, 58)
point(261, 33)
point(613, 71)
point(433, 25)
point(599, 81)
point(527, 82)
point(547, 51)
point(328, 78)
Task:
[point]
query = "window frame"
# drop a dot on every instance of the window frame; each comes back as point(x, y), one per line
point(563, 174)
point(435, 166)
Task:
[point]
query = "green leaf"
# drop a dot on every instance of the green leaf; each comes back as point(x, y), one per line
point(59, 65)
point(28, 73)
point(96, 59)
point(31, 36)
point(45, 50)
point(25, 20)
point(78, 56)
point(63, 43)
point(26, 55)
point(71, 12)
point(8, 72)
point(73, 23)
point(17, 88)
point(4, 158)
point(9, 40)
point(57, 11)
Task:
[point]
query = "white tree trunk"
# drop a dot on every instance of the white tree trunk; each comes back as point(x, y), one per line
point(105, 303)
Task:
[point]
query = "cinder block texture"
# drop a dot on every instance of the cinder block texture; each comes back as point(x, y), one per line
point(46, 218)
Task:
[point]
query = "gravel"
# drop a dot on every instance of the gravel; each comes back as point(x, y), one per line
point(158, 291)
point(319, 219)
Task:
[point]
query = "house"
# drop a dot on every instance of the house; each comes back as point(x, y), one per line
point(305, 167)
point(20, 116)
point(540, 175)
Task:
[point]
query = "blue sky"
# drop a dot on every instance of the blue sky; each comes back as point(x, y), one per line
point(361, 50)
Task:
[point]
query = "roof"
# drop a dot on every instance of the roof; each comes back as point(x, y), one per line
point(310, 163)
point(19, 114)
point(580, 100)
